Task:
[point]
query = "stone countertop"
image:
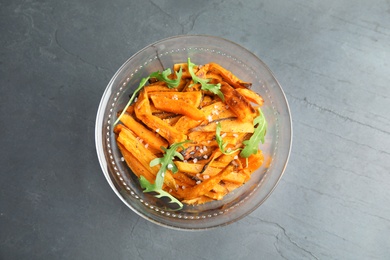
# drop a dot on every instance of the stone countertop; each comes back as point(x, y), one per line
point(332, 60)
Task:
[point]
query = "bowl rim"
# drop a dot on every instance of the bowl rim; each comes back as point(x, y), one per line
point(99, 136)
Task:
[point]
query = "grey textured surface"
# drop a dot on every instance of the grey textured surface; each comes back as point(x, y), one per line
point(332, 59)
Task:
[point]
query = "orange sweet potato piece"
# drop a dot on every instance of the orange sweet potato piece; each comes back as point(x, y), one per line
point(236, 177)
point(159, 86)
point(208, 138)
point(138, 150)
point(198, 200)
point(185, 73)
point(135, 165)
point(141, 131)
point(143, 112)
point(254, 162)
point(212, 111)
point(231, 125)
point(214, 76)
point(230, 186)
point(238, 103)
point(251, 96)
point(183, 179)
point(228, 76)
point(178, 107)
point(217, 192)
point(193, 98)
point(206, 185)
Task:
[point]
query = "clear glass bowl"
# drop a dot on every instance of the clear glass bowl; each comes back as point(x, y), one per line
point(201, 49)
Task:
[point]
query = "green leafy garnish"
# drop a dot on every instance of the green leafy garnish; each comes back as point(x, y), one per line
point(140, 86)
point(214, 88)
point(252, 145)
point(163, 76)
point(221, 144)
point(166, 164)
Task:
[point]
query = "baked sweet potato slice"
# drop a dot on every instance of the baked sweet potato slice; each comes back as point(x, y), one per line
point(236, 177)
point(178, 107)
point(185, 73)
point(216, 110)
point(152, 139)
point(228, 76)
point(198, 200)
point(129, 141)
point(135, 165)
point(251, 96)
point(238, 103)
point(230, 125)
point(143, 112)
point(253, 163)
point(193, 98)
point(206, 185)
point(230, 186)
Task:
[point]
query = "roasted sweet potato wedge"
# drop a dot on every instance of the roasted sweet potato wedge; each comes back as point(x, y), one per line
point(238, 103)
point(228, 76)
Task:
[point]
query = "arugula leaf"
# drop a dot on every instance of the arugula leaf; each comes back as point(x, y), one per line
point(140, 86)
point(252, 145)
point(214, 88)
point(166, 164)
point(221, 144)
point(163, 76)
point(145, 184)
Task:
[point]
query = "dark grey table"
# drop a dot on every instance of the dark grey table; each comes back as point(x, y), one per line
point(332, 59)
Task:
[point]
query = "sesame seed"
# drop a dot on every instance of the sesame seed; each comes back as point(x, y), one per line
point(223, 135)
point(185, 161)
point(198, 182)
point(205, 148)
point(195, 160)
point(146, 145)
point(183, 187)
point(198, 175)
point(157, 130)
point(210, 118)
point(170, 166)
point(205, 177)
point(235, 135)
point(201, 150)
point(122, 159)
point(236, 157)
point(170, 190)
point(205, 157)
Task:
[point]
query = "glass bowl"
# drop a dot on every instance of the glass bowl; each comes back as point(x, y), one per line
point(201, 49)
